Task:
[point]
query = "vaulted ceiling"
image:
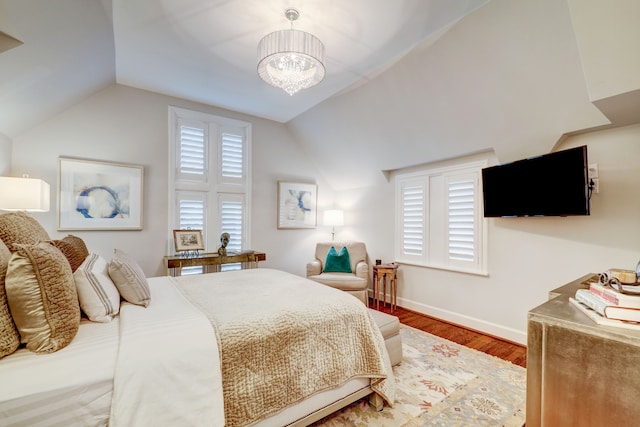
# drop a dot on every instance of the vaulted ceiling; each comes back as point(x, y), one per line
point(200, 50)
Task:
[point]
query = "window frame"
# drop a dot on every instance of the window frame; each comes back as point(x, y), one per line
point(436, 215)
point(213, 185)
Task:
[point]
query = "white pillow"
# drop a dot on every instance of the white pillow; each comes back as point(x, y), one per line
point(99, 297)
point(129, 279)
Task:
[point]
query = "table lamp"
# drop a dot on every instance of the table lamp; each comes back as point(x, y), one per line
point(333, 217)
point(24, 194)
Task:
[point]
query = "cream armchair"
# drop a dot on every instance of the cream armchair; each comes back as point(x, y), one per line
point(356, 282)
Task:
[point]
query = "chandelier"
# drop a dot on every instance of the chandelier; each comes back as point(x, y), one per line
point(290, 59)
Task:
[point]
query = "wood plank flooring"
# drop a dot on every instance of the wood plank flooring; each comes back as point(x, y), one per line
point(509, 351)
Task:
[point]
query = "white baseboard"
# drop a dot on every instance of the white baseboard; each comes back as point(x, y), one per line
point(496, 330)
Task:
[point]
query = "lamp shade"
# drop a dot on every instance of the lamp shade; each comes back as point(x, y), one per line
point(333, 217)
point(24, 194)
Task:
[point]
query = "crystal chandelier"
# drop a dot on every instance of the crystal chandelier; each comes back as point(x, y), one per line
point(290, 59)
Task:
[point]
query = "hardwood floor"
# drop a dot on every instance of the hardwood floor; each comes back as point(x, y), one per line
point(509, 351)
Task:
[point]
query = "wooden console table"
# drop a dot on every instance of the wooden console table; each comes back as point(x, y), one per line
point(580, 373)
point(211, 262)
point(380, 274)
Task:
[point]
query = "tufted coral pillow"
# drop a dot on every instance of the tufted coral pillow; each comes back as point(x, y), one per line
point(9, 337)
point(42, 297)
point(73, 248)
point(129, 279)
point(337, 262)
point(17, 228)
point(99, 297)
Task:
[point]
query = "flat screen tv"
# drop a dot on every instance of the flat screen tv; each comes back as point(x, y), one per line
point(555, 184)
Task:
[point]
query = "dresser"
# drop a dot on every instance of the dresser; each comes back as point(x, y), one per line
point(580, 373)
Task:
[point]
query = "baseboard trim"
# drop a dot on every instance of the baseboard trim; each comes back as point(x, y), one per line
point(509, 334)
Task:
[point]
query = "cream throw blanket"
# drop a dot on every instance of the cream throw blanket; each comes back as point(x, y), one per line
point(283, 338)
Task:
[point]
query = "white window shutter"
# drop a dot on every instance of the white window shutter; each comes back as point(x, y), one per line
point(192, 210)
point(461, 220)
point(192, 151)
point(232, 218)
point(411, 220)
point(232, 163)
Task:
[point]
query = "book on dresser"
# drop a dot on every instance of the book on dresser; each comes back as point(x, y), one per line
point(615, 297)
point(607, 308)
point(601, 320)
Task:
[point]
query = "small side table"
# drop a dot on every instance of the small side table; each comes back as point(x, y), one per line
point(380, 275)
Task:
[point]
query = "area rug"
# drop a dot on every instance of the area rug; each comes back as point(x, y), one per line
point(441, 383)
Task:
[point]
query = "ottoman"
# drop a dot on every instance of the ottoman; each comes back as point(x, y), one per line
point(390, 328)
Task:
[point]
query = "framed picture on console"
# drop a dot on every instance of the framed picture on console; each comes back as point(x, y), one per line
point(297, 205)
point(188, 240)
point(96, 195)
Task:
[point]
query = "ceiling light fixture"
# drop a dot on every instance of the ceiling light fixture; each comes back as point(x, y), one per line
point(290, 59)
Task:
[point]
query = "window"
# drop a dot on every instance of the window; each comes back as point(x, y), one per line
point(210, 177)
point(439, 221)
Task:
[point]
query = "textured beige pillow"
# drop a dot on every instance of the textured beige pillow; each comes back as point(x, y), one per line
point(73, 248)
point(17, 228)
point(99, 297)
point(9, 337)
point(42, 297)
point(129, 279)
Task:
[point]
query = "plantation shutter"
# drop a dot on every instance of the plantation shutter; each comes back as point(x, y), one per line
point(232, 221)
point(231, 168)
point(461, 220)
point(192, 151)
point(192, 210)
point(413, 218)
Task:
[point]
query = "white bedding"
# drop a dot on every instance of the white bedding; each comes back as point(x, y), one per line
point(168, 370)
point(70, 387)
point(150, 366)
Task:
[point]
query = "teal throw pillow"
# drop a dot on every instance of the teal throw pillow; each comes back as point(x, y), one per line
point(337, 262)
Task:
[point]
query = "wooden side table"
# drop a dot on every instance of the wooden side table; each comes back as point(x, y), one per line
point(380, 275)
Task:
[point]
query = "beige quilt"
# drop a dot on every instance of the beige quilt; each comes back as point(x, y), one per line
point(283, 338)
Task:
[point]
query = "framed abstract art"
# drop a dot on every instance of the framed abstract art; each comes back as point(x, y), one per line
point(297, 205)
point(95, 195)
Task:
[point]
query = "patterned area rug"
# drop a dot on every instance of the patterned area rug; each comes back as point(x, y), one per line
point(441, 383)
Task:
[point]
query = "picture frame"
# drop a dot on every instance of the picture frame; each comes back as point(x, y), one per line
point(98, 195)
point(297, 205)
point(188, 240)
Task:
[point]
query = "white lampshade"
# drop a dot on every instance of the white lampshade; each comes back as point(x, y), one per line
point(23, 194)
point(333, 217)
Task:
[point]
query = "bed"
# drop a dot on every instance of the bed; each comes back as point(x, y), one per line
point(252, 347)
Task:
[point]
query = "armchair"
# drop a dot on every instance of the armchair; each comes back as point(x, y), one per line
point(356, 282)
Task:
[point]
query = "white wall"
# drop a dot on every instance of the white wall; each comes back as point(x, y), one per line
point(122, 124)
point(5, 155)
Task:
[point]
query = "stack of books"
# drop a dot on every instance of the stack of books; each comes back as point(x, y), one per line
point(606, 306)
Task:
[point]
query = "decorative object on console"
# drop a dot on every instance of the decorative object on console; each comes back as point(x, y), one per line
point(24, 194)
point(290, 59)
point(224, 241)
point(333, 217)
point(296, 205)
point(95, 195)
point(188, 240)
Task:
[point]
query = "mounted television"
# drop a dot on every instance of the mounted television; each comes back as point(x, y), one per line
point(555, 184)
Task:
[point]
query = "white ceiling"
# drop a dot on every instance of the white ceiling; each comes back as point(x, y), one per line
point(201, 50)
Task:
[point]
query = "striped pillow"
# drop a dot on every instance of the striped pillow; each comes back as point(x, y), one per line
point(98, 295)
point(129, 279)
